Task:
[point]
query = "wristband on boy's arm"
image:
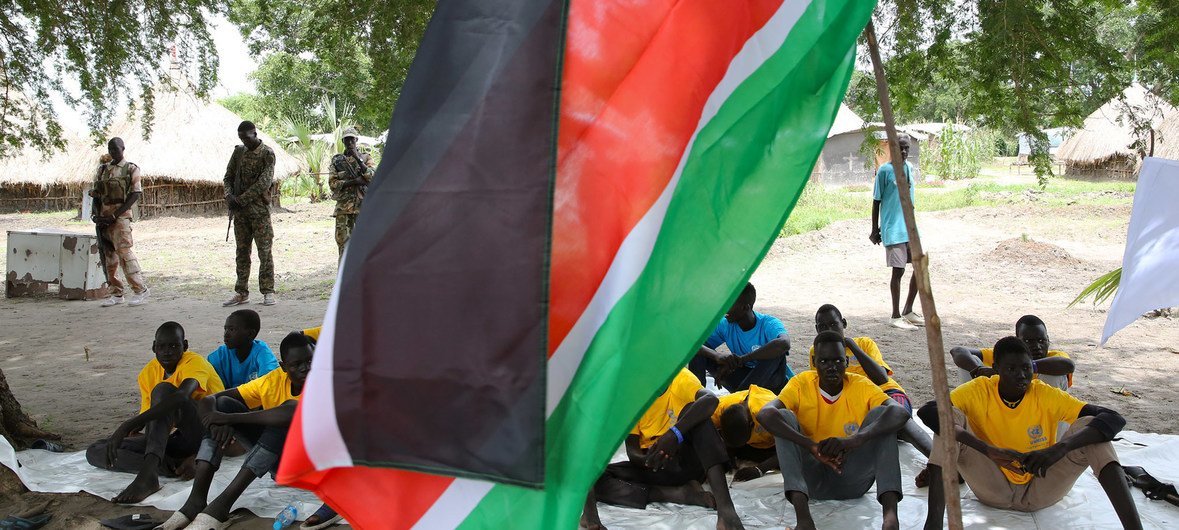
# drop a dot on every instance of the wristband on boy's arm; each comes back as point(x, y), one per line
point(1035, 369)
point(678, 435)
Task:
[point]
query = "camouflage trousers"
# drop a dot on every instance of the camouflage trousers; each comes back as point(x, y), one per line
point(344, 224)
point(256, 229)
point(119, 234)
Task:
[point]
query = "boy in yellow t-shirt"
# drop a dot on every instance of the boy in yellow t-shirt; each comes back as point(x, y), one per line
point(257, 414)
point(864, 359)
point(169, 386)
point(1005, 425)
point(836, 435)
point(745, 438)
point(1050, 366)
point(673, 446)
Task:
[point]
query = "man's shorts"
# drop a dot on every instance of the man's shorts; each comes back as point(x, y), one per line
point(901, 398)
point(896, 256)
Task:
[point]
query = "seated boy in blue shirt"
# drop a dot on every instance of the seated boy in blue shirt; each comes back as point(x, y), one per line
point(242, 358)
point(758, 346)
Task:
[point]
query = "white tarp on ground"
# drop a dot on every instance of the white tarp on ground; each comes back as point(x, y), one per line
point(46, 472)
point(762, 504)
point(1150, 266)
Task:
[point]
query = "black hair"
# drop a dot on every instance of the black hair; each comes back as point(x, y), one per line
point(1029, 320)
point(827, 336)
point(249, 317)
point(246, 126)
point(294, 339)
point(117, 141)
point(171, 326)
point(1008, 346)
point(829, 307)
point(736, 423)
point(748, 294)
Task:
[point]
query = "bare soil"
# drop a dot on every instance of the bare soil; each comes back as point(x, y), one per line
point(73, 364)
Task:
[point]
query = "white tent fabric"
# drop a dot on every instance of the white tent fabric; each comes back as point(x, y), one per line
point(46, 472)
point(762, 504)
point(1150, 266)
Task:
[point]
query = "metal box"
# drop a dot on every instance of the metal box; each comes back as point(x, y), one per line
point(43, 257)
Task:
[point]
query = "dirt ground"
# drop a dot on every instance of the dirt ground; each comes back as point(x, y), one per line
point(989, 267)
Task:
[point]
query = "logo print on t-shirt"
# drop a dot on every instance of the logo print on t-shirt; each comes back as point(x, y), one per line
point(850, 428)
point(1036, 435)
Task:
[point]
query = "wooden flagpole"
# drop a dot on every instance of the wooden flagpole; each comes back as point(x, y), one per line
point(933, 325)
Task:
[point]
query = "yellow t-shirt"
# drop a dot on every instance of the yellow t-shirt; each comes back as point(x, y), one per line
point(191, 366)
point(758, 397)
point(820, 420)
point(988, 359)
point(313, 332)
point(268, 391)
point(1029, 427)
point(665, 411)
point(873, 351)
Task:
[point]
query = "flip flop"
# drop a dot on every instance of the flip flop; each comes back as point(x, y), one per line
point(177, 521)
point(136, 521)
point(1152, 487)
point(205, 521)
point(327, 517)
point(13, 522)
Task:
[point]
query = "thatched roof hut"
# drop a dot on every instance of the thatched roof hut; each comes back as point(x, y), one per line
point(1102, 149)
point(1167, 138)
point(182, 162)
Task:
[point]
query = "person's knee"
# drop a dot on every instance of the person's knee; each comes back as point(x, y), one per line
point(96, 454)
point(162, 391)
point(228, 404)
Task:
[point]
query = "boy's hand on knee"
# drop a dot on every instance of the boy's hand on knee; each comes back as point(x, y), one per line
point(113, 444)
point(222, 435)
point(1038, 462)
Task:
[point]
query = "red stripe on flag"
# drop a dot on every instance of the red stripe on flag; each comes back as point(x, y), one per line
point(372, 497)
point(634, 88)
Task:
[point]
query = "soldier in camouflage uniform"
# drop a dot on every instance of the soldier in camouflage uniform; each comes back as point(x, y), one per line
point(247, 193)
point(352, 171)
point(116, 188)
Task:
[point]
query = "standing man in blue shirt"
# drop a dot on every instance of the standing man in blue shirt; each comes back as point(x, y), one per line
point(758, 346)
point(243, 357)
point(888, 226)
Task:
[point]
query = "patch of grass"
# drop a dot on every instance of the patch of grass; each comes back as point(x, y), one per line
point(819, 207)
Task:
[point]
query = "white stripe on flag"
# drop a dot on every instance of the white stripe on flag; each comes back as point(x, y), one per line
point(454, 505)
point(321, 432)
point(635, 252)
point(460, 498)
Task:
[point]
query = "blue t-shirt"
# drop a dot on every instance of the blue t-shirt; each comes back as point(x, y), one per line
point(234, 372)
point(741, 342)
point(893, 230)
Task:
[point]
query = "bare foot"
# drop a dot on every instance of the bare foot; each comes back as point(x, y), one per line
point(922, 478)
point(140, 488)
point(692, 494)
point(805, 523)
point(186, 469)
point(728, 521)
point(891, 522)
point(590, 520)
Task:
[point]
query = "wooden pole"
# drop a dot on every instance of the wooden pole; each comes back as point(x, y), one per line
point(933, 325)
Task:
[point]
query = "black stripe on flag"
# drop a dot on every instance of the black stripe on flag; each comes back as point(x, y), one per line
point(440, 344)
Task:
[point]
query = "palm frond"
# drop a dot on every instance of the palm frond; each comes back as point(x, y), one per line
point(1101, 289)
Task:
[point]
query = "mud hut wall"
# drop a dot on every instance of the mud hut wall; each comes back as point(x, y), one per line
point(161, 196)
point(1116, 168)
point(842, 163)
point(29, 197)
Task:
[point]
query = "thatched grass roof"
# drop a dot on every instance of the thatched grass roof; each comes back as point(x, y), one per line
point(191, 141)
point(1106, 135)
point(1167, 138)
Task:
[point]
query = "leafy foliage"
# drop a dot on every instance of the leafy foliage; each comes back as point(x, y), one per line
point(299, 135)
point(1023, 65)
point(96, 56)
point(956, 155)
point(350, 51)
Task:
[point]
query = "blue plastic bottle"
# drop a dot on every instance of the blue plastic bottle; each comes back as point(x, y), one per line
point(286, 517)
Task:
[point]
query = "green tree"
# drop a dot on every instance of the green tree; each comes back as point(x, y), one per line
point(349, 51)
point(96, 56)
point(1027, 65)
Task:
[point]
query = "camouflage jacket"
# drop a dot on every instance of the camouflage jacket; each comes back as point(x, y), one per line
point(249, 177)
point(348, 198)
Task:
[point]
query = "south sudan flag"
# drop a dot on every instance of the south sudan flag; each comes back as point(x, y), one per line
point(571, 194)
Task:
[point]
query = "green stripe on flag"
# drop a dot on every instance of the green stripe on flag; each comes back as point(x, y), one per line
point(716, 231)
